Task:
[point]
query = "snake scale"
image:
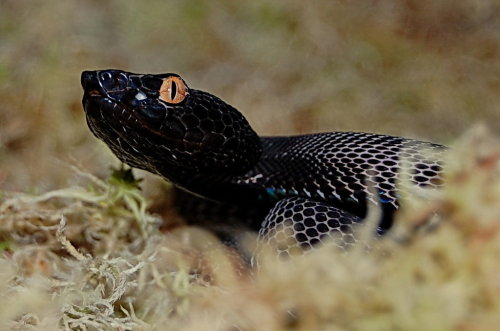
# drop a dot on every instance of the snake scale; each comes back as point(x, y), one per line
point(307, 187)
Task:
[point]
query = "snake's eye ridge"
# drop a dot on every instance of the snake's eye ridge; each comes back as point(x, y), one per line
point(173, 90)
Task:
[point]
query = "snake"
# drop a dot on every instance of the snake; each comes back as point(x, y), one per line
point(307, 189)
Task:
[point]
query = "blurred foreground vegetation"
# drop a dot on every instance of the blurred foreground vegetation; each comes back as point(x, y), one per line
point(81, 252)
point(89, 257)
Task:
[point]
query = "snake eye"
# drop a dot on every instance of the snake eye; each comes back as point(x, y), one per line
point(173, 90)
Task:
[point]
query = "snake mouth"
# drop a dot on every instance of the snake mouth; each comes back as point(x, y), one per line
point(94, 93)
point(106, 84)
point(90, 84)
point(103, 92)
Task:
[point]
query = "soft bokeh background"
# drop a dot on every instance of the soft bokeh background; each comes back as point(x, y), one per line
point(426, 69)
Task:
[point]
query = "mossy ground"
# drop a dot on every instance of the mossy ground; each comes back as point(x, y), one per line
point(82, 251)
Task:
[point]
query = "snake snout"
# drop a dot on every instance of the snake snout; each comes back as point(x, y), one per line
point(104, 81)
point(87, 77)
point(90, 83)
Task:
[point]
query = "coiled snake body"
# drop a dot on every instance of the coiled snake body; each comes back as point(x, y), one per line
point(310, 186)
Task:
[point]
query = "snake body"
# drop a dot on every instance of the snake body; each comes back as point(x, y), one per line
point(309, 186)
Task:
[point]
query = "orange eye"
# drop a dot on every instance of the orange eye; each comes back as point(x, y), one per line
point(173, 90)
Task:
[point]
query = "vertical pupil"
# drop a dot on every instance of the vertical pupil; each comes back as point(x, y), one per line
point(173, 90)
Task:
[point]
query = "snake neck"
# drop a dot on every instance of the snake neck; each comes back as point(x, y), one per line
point(346, 169)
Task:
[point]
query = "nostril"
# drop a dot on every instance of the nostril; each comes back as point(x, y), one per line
point(87, 78)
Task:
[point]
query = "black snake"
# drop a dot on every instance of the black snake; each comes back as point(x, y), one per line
point(309, 187)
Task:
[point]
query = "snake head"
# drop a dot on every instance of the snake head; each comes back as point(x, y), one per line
point(157, 123)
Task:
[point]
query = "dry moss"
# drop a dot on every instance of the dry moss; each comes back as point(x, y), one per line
point(91, 257)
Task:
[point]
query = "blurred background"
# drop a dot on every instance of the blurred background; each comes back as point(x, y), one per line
point(425, 69)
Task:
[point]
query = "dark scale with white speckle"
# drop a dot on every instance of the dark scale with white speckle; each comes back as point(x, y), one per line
point(310, 225)
point(339, 166)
